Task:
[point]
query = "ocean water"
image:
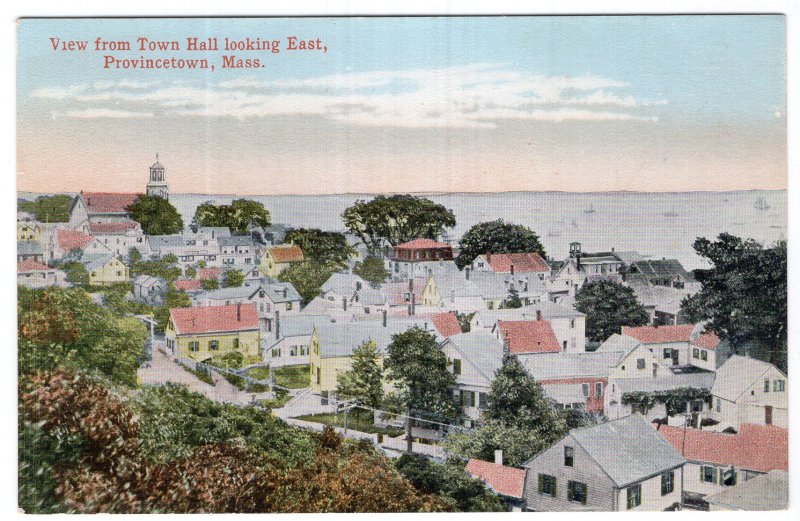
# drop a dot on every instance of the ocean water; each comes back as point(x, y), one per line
point(654, 224)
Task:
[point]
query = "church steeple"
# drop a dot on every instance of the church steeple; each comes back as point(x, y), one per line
point(157, 186)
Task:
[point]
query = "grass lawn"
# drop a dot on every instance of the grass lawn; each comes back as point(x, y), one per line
point(277, 402)
point(258, 373)
point(292, 376)
point(359, 421)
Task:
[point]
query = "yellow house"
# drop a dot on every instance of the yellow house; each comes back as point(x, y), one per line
point(27, 231)
point(207, 332)
point(105, 270)
point(430, 296)
point(278, 258)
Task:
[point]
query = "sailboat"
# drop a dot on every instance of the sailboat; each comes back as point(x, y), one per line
point(590, 209)
point(761, 204)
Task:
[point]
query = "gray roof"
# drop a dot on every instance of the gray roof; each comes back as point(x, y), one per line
point(549, 311)
point(218, 231)
point(664, 268)
point(736, 375)
point(565, 393)
point(543, 366)
point(165, 241)
point(698, 380)
point(628, 257)
point(235, 240)
point(29, 248)
point(769, 491)
point(96, 261)
point(341, 339)
point(148, 280)
point(301, 325)
point(343, 283)
point(617, 342)
point(275, 291)
point(628, 449)
point(482, 349)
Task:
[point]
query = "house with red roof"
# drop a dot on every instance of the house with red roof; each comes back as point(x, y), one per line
point(200, 333)
point(446, 323)
point(527, 336)
point(120, 236)
point(189, 285)
point(508, 482)
point(34, 274)
point(419, 257)
point(670, 343)
point(278, 258)
point(717, 461)
point(100, 207)
point(512, 263)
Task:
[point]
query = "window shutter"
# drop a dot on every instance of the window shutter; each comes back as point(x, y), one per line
point(555, 489)
point(701, 473)
point(541, 483)
point(716, 475)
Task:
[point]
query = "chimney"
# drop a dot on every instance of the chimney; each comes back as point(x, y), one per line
point(538, 314)
point(344, 303)
point(239, 312)
point(498, 457)
point(488, 257)
point(277, 325)
point(285, 292)
point(512, 269)
point(384, 318)
point(466, 272)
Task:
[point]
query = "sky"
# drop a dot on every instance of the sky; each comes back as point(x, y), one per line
point(659, 103)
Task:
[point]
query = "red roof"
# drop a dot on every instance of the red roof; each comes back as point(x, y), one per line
point(287, 253)
point(69, 240)
point(113, 227)
point(188, 284)
point(212, 319)
point(508, 481)
point(30, 265)
point(754, 447)
point(447, 324)
point(707, 341)
point(659, 334)
point(529, 336)
point(396, 291)
point(108, 202)
point(421, 244)
point(522, 262)
point(209, 273)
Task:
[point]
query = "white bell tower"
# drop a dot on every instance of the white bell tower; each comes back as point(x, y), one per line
point(157, 186)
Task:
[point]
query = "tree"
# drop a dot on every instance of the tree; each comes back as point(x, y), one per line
point(396, 219)
point(237, 216)
point(324, 247)
point(373, 270)
point(307, 277)
point(190, 271)
point(76, 273)
point(48, 209)
point(420, 371)
point(156, 215)
point(134, 256)
point(209, 284)
point(743, 295)
point(233, 279)
point(497, 237)
point(364, 381)
point(513, 301)
point(608, 306)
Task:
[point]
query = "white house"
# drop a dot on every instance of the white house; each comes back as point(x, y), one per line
point(747, 390)
point(272, 299)
point(615, 406)
point(569, 325)
point(291, 341)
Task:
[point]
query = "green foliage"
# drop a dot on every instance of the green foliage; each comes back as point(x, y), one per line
point(419, 370)
point(464, 320)
point(191, 272)
point(364, 381)
point(373, 270)
point(134, 256)
point(307, 277)
point(292, 376)
point(209, 284)
point(233, 279)
point(608, 306)
point(497, 237)
point(450, 482)
point(166, 268)
point(77, 273)
point(396, 219)
point(156, 215)
point(358, 420)
point(48, 209)
point(202, 373)
point(323, 247)
point(513, 301)
point(237, 216)
point(675, 400)
point(743, 295)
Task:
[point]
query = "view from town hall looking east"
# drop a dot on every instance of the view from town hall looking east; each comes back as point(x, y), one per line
point(485, 342)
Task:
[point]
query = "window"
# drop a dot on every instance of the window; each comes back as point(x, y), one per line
point(704, 355)
point(276, 353)
point(467, 399)
point(640, 363)
point(585, 389)
point(213, 345)
point(667, 353)
point(194, 346)
point(576, 491)
point(547, 485)
point(565, 345)
point(456, 366)
point(572, 323)
point(779, 386)
point(766, 386)
point(719, 405)
point(236, 343)
point(598, 389)
point(634, 496)
point(569, 456)
point(708, 474)
point(727, 477)
point(695, 353)
point(667, 482)
point(319, 375)
point(288, 306)
point(482, 402)
point(293, 351)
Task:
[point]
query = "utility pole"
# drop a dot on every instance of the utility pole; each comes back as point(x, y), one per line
point(409, 439)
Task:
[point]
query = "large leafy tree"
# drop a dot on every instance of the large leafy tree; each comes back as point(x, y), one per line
point(364, 381)
point(396, 219)
point(307, 277)
point(372, 269)
point(48, 209)
point(497, 237)
point(321, 246)
point(233, 279)
point(419, 370)
point(608, 306)
point(743, 295)
point(156, 215)
point(237, 216)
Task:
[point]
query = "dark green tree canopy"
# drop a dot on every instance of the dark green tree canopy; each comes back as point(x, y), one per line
point(364, 381)
point(307, 277)
point(497, 237)
point(744, 294)
point(396, 219)
point(237, 216)
point(373, 270)
point(156, 215)
point(48, 209)
point(321, 246)
point(608, 306)
point(234, 279)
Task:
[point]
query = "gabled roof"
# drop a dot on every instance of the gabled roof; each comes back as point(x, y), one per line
point(188, 284)
point(148, 281)
point(707, 341)
point(31, 265)
point(506, 481)
point(548, 309)
point(209, 273)
point(617, 342)
point(286, 253)
point(396, 291)
point(554, 366)
point(481, 349)
point(214, 319)
point(69, 240)
point(29, 248)
point(529, 336)
point(96, 261)
point(301, 325)
point(116, 228)
point(522, 262)
point(736, 375)
point(108, 202)
point(341, 339)
point(628, 449)
point(755, 447)
point(166, 241)
point(447, 324)
point(665, 268)
point(660, 334)
point(235, 240)
point(766, 492)
point(421, 244)
point(343, 283)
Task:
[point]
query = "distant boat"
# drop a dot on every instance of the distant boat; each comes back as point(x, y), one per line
point(761, 204)
point(671, 213)
point(590, 209)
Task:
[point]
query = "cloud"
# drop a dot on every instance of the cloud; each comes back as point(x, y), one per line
point(475, 95)
point(99, 113)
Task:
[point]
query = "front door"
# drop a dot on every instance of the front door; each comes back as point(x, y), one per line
point(674, 357)
point(768, 414)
